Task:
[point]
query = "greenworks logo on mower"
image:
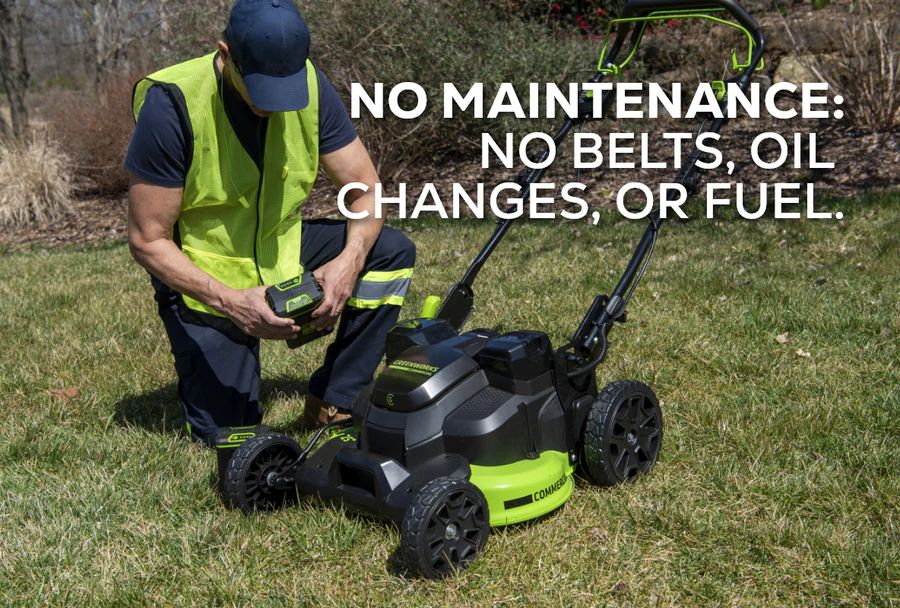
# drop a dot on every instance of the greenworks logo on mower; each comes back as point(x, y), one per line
point(415, 368)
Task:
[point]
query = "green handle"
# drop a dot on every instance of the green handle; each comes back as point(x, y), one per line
point(430, 307)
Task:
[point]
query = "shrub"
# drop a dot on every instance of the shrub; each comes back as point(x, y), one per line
point(35, 186)
point(865, 68)
point(431, 42)
point(94, 129)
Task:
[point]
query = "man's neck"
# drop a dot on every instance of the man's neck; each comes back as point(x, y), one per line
point(232, 91)
point(225, 73)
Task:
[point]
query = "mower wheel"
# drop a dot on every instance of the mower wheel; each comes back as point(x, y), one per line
point(445, 527)
point(253, 469)
point(623, 433)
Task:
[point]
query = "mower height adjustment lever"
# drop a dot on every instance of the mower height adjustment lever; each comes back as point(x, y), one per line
point(288, 478)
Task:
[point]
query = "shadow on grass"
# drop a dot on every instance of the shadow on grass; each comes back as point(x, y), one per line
point(159, 410)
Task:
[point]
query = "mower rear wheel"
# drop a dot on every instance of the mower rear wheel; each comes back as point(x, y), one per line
point(253, 469)
point(445, 527)
point(623, 433)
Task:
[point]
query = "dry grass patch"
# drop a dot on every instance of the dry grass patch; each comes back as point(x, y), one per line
point(35, 183)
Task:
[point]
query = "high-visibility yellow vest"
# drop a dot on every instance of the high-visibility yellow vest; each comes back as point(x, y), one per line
point(240, 227)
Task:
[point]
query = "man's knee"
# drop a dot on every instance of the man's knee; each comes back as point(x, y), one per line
point(397, 249)
point(388, 272)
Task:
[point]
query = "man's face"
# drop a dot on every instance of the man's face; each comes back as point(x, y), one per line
point(237, 82)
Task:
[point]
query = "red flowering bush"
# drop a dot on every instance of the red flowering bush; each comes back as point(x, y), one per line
point(589, 17)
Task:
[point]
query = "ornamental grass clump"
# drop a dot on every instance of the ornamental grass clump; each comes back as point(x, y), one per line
point(35, 184)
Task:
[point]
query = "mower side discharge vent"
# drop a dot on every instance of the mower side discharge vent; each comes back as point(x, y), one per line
point(386, 442)
point(357, 478)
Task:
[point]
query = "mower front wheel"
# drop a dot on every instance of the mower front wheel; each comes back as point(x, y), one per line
point(252, 473)
point(445, 527)
point(623, 433)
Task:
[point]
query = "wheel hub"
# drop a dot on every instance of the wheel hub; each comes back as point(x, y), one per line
point(632, 441)
point(451, 532)
point(271, 478)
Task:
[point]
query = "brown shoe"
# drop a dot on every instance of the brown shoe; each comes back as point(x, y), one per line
point(317, 413)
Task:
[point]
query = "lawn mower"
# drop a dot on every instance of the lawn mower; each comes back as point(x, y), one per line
point(467, 430)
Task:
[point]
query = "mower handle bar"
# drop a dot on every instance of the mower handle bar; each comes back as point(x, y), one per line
point(640, 8)
point(457, 306)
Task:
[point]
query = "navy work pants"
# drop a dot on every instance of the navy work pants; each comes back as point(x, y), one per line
point(218, 365)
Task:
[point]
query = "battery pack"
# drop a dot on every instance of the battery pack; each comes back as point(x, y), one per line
point(297, 299)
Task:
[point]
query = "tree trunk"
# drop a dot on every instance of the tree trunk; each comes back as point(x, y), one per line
point(13, 63)
point(5, 133)
point(165, 25)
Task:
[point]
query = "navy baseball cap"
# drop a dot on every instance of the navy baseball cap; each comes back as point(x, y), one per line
point(269, 43)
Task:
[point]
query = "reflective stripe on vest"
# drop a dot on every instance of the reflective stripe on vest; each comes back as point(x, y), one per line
point(240, 227)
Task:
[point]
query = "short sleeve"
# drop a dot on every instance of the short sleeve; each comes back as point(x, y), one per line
point(335, 128)
point(159, 151)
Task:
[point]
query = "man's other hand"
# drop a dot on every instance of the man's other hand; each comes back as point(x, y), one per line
point(337, 278)
point(250, 311)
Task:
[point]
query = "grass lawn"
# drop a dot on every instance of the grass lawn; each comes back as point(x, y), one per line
point(778, 483)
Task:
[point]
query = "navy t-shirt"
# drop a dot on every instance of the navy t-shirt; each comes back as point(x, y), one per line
point(160, 151)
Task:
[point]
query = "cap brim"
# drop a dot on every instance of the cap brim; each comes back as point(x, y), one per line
point(278, 93)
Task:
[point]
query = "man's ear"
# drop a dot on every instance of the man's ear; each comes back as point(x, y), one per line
point(223, 49)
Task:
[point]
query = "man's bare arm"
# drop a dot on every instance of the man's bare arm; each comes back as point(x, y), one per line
point(338, 277)
point(152, 213)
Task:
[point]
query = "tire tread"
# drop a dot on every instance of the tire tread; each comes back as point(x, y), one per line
point(418, 513)
point(595, 458)
point(240, 460)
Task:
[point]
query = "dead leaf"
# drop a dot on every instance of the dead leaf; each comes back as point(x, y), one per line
point(783, 338)
point(803, 353)
point(599, 535)
point(65, 393)
point(821, 281)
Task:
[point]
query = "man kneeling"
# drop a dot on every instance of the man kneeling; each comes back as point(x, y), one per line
point(225, 151)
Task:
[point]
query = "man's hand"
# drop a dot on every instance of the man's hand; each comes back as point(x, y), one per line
point(249, 311)
point(337, 278)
